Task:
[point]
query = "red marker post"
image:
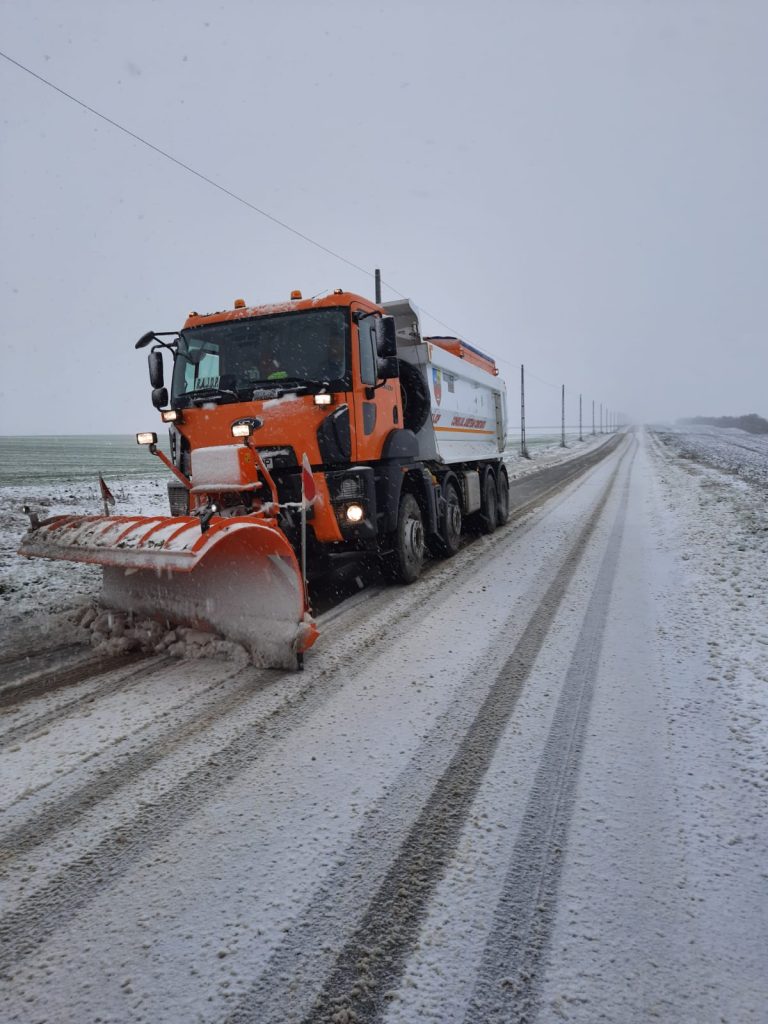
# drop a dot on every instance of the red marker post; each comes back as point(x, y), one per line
point(106, 495)
point(308, 495)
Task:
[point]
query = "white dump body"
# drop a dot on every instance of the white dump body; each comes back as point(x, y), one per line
point(469, 414)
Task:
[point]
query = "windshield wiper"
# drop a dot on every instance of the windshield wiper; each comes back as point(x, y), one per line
point(206, 394)
point(287, 383)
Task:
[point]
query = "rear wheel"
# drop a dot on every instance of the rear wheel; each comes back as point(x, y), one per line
point(488, 515)
point(447, 542)
point(407, 556)
point(502, 505)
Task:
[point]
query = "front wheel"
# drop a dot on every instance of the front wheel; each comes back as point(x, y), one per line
point(405, 560)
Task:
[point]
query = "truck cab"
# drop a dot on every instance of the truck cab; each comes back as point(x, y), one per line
point(353, 387)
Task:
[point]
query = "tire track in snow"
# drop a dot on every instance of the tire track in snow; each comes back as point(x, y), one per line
point(43, 683)
point(373, 957)
point(27, 662)
point(59, 900)
point(411, 607)
point(134, 673)
point(508, 978)
point(43, 826)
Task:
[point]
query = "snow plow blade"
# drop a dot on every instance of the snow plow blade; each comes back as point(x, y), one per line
point(239, 578)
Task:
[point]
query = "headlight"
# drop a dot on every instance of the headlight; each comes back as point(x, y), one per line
point(146, 438)
point(354, 513)
point(241, 430)
point(322, 399)
point(170, 416)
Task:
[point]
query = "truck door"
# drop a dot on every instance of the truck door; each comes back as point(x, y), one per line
point(376, 412)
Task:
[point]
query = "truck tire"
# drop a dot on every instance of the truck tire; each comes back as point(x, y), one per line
point(447, 542)
point(488, 514)
point(502, 505)
point(414, 394)
point(404, 562)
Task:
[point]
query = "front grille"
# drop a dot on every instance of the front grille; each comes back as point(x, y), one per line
point(351, 487)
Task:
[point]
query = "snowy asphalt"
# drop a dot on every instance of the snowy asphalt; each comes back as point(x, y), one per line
point(530, 787)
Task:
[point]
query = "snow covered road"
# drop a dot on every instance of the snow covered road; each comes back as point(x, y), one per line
point(531, 786)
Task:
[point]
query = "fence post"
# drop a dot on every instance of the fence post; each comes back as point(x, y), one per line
point(562, 418)
point(523, 445)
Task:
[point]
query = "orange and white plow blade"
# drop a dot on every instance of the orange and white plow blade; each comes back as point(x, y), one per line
point(240, 578)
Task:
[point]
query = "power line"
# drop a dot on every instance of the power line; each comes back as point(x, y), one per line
point(233, 195)
point(186, 167)
point(210, 181)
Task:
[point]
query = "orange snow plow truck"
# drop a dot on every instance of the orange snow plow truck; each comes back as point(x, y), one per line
point(399, 437)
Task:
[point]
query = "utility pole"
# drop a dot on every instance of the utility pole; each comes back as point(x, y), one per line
point(523, 445)
point(377, 279)
point(562, 418)
point(601, 417)
point(593, 417)
point(580, 437)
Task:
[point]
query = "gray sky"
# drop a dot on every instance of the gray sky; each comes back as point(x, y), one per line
point(579, 186)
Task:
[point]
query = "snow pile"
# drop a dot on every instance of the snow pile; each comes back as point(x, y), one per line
point(113, 633)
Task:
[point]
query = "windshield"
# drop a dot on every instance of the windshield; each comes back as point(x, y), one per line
point(229, 361)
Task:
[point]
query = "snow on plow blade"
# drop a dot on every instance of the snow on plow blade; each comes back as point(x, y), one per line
point(240, 578)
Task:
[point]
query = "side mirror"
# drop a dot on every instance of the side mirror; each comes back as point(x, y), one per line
point(387, 368)
point(159, 397)
point(145, 339)
point(156, 369)
point(386, 337)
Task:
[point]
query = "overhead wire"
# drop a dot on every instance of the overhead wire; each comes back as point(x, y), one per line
point(185, 166)
point(238, 198)
point(211, 181)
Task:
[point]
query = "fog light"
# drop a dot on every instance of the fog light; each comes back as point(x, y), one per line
point(241, 430)
point(170, 416)
point(355, 513)
point(322, 399)
point(146, 438)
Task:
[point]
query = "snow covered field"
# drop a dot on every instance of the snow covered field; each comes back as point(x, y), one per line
point(532, 786)
point(727, 448)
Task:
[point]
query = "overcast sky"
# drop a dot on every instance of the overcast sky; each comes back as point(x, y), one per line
point(577, 186)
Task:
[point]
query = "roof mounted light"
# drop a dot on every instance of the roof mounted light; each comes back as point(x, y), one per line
point(146, 438)
point(296, 294)
point(323, 399)
point(170, 416)
point(239, 303)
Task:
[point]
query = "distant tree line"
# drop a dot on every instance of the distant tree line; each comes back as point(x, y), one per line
point(752, 423)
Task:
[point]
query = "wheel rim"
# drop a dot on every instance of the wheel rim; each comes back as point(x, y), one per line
point(413, 540)
point(453, 518)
